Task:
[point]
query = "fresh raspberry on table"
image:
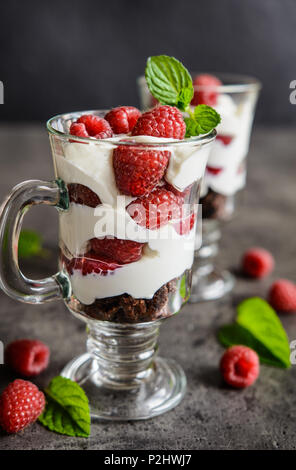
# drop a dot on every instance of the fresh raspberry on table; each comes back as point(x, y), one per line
point(257, 262)
point(81, 194)
point(138, 170)
point(206, 90)
point(239, 366)
point(28, 357)
point(94, 126)
point(156, 209)
point(120, 251)
point(89, 263)
point(162, 121)
point(282, 296)
point(21, 403)
point(123, 119)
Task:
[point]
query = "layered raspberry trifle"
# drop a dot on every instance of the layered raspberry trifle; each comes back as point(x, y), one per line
point(235, 99)
point(127, 239)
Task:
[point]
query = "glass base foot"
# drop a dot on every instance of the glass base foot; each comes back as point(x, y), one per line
point(210, 286)
point(162, 388)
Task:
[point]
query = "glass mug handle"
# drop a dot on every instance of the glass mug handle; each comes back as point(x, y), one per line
point(12, 280)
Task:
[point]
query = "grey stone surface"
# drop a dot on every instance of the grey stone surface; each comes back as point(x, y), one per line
point(211, 415)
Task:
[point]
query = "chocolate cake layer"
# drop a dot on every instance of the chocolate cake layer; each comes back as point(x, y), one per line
point(126, 309)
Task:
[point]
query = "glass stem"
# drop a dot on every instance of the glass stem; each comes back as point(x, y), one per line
point(123, 354)
point(204, 257)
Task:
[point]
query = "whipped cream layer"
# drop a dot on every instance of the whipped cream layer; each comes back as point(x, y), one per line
point(162, 261)
point(166, 256)
point(236, 122)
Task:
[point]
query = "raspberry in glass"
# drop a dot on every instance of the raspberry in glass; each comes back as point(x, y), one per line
point(162, 121)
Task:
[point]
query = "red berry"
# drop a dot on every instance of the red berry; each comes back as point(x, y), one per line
point(21, 403)
point(225, 139)
point(28, 357)
point(239, 366)
point(184, 226)
point(123, 119)
point(282, 296)
point(257, 262)
point(120, 251)
point(206, 90)
point(214, 170)
point(81, 194)
point(156, 209)
point(94, 126)
point(78, 129)
point(138, 170)
point(162, 121)
point(91, 263)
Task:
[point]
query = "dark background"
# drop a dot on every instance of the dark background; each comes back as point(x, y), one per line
point(59, 56)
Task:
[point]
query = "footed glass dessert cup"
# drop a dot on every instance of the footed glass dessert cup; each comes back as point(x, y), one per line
point(125, 265)
point(234, 97)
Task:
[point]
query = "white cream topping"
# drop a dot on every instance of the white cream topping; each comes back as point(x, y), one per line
point(187, 165)
point(161, 262)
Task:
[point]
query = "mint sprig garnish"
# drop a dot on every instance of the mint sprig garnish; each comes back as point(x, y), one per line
point(67, 409)
point(258, 326)
point(169, 81)
point(171, 84)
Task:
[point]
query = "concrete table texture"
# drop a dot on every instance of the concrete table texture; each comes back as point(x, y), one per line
point(211, 416)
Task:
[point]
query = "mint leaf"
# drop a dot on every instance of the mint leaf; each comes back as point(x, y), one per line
point(67, 409)
point(230, 335)
point(169, 81)
point(202, 120)
point(260, 319)
point(30, 244)
point(258, 327)
point(206, 117)
point(192, 128)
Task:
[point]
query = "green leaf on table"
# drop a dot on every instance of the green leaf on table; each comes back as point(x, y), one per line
point(261, 320)
point(30, 244)
point(259, 328)
point(169, 81)
point(67, 408)
point(230, 335)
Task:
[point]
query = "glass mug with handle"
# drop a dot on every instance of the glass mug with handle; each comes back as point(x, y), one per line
point(120, 272)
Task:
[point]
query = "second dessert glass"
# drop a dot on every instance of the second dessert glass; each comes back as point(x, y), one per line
point(123, 304)
point(225, 177)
